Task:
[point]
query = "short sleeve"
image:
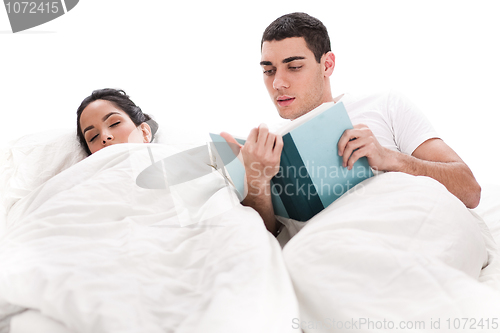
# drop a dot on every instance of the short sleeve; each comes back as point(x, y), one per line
point(411, 127)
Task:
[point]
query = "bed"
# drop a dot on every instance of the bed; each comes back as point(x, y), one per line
point(87, 246)
point(404, 263)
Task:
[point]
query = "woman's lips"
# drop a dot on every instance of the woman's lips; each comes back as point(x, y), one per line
point(285, 100)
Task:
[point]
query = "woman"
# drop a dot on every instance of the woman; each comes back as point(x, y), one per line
point(108, 117)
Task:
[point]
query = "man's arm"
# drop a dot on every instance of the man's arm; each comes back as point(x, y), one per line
point(259, 198)
point(261, 158)
point(436, 159)
point(433, 158)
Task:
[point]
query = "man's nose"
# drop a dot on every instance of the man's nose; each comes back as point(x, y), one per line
point(280, 81)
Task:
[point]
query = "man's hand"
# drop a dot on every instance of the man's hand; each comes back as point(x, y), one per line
point(433, 158)
point(261, 157)
point(360, 141)
point(260, 154)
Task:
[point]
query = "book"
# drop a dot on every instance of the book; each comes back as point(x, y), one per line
point(311, 175)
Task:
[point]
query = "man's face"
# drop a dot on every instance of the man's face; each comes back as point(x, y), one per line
point(294, 79)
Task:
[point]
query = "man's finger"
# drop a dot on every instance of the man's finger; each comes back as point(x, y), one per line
point(271, 141)
point(252, 137)
point(278, 144)
point(263, 134)
point(235, 146)
point(349, 135)
point(351, 147)
point(344, 139)
point(355, 156)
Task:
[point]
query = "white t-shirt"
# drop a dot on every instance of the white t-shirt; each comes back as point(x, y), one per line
point(394, 120)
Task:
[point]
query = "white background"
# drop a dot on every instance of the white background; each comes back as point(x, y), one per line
point(194, 65)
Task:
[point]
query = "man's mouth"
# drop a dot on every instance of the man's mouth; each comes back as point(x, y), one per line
point(285, 100)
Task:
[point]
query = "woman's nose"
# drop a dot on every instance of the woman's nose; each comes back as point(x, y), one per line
point(106, 137)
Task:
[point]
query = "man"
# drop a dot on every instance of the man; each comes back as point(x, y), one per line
point(297, 63)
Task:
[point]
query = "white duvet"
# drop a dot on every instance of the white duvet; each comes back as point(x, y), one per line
point(398, 253)
point(97, 253)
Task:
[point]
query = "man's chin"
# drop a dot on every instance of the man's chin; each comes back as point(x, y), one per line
point(285, 115)
point(288, 113)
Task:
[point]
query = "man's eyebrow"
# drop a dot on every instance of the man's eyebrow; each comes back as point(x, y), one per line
point(285, 61)
point(103, 119)
point(290, 59)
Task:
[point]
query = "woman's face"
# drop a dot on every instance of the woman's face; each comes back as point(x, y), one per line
point(103, 124)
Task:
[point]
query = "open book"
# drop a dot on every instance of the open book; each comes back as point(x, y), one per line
point(311, 174)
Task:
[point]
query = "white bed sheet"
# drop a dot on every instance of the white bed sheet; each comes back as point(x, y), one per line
point(321, 268)
point(32, 321)
point(96, 253)
point(398, 249)
point(489, 208)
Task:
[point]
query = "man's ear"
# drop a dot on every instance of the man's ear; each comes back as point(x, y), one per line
point(328, 60)
point(146, 132)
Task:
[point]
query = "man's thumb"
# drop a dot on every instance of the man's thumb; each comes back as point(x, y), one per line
point(235, 146)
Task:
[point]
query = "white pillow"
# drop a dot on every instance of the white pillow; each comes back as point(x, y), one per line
point(31, 160)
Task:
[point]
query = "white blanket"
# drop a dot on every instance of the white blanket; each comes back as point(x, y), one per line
point(396, 252)
point(96, 252)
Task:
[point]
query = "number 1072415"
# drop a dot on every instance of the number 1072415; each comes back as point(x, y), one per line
point(26, 7)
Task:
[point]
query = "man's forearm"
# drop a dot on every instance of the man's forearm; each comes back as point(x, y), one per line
point(259, 198)
point(455, 176)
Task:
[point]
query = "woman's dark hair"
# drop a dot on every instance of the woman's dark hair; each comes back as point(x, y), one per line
point(122, 101)
point(300, 25)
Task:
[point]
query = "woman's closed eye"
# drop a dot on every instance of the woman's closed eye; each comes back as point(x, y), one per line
point(112, 125)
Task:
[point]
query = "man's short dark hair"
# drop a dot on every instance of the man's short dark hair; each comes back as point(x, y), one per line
point(300, 25)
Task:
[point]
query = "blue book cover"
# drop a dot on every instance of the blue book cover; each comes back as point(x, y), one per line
point(311, 174)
